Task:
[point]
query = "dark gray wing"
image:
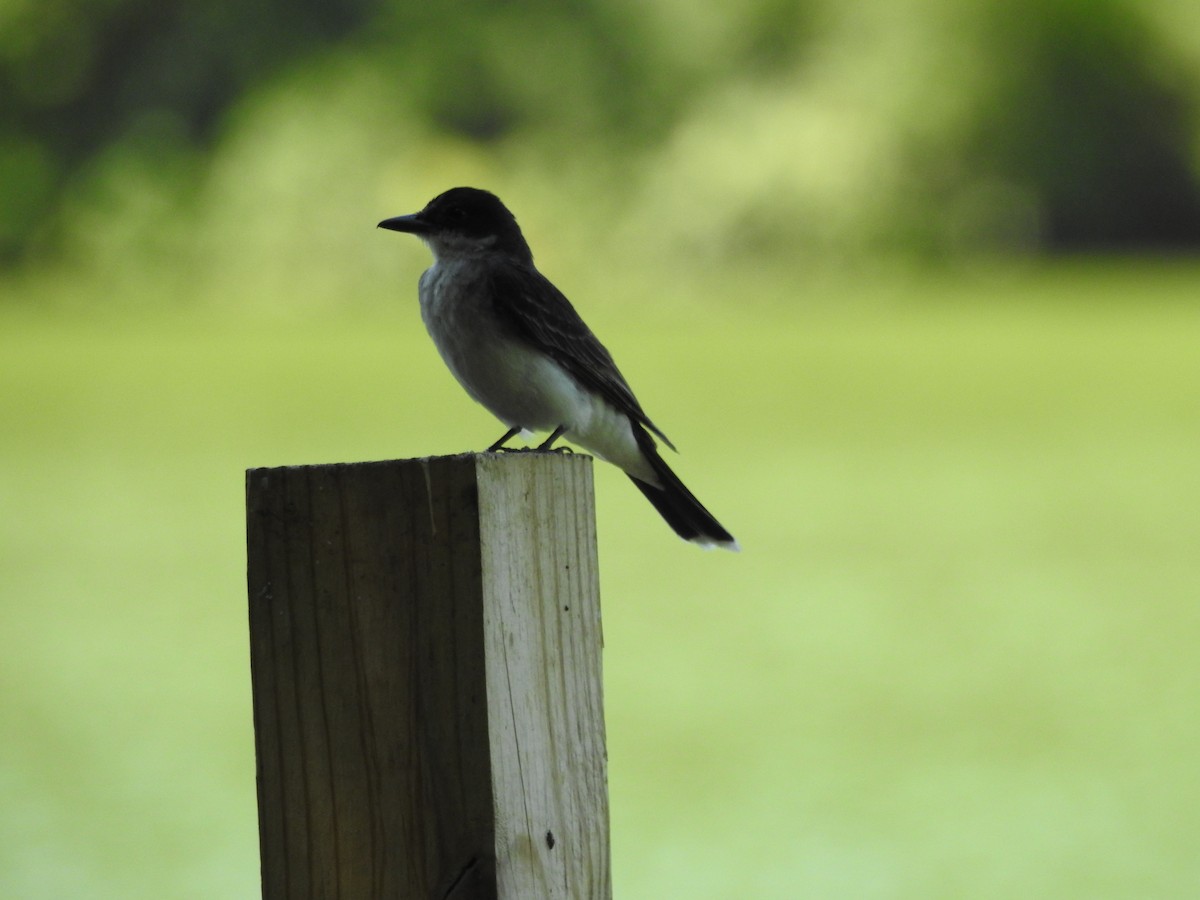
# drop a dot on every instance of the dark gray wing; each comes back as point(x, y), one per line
point(539, 313)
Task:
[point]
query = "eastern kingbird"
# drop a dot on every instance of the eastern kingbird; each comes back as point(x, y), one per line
point(519, 348)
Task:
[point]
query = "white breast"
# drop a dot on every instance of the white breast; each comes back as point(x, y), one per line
point(522, 387)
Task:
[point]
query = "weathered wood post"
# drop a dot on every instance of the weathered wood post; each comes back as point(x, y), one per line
point(425, 652)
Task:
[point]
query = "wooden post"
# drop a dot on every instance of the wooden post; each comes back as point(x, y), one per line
point(425, 653)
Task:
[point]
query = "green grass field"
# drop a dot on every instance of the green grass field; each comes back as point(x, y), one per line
point(956, 659)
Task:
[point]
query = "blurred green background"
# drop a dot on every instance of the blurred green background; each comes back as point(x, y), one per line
point(910, 283)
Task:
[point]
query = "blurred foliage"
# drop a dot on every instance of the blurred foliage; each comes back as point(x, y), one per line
point(1093, 123)
point(78, 76)
point(155, 142)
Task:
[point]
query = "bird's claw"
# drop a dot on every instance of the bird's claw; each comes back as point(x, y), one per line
point(563, 449)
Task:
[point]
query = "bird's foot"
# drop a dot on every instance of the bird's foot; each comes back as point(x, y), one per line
point(547, 446)
point(540, 448)
point(499, 445)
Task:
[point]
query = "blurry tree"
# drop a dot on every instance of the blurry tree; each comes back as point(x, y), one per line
point(1087, 114)
point(486, 69)
point(76, 75)
point(1059, 124)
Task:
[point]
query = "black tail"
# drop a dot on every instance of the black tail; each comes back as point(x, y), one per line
point(679, 506)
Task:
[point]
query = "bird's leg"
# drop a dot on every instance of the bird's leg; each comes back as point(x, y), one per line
point(547, 445)
point(499, 445)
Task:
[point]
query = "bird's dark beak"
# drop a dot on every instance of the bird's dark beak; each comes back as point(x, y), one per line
point(413, 224)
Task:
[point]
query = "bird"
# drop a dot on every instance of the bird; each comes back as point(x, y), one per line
point(519, 348)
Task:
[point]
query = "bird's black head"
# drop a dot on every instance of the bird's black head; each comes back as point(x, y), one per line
point(465, 221)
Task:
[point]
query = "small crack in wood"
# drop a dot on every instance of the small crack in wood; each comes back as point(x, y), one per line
point(463, 873)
